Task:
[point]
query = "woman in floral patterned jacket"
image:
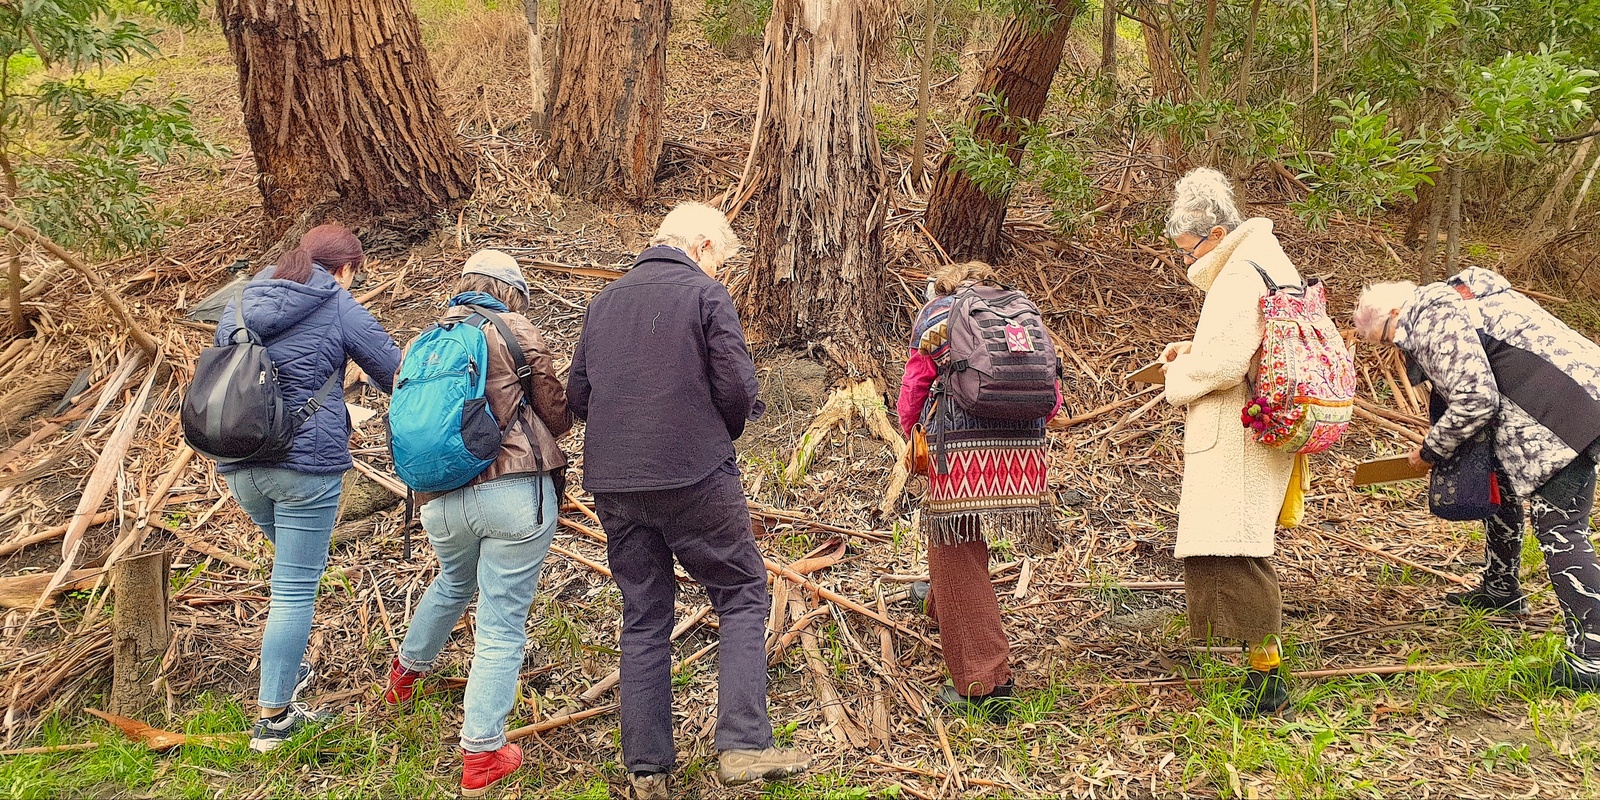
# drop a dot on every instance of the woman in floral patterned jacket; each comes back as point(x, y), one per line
point(1494, 357)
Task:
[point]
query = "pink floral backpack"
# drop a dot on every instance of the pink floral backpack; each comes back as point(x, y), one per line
point(1306, 385)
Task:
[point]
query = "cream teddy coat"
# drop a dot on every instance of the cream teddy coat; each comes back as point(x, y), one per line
point(1233, 487)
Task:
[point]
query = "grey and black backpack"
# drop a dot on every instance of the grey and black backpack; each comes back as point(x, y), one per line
point(1002, 364)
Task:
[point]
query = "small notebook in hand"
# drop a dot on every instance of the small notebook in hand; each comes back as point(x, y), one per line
point(1389, 469)
point(1149, 374)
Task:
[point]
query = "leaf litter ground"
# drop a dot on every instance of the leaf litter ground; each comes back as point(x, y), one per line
point(1116, 702)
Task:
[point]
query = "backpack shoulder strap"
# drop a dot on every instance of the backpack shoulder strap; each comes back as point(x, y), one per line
point(314, 405)
point(519, 360)
point(1272, 285)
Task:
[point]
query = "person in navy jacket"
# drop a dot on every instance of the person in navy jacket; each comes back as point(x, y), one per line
point(663, 377)
point(301, 308)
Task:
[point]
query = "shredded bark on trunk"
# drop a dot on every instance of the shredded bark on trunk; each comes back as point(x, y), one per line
point(817, 275)
point(610, 91)
point(342, 111)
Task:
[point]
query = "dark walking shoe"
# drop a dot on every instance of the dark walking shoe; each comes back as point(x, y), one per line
point(1584, 678)
point(648, 786)
point(771, 764)
point(1265, 694)
point(481, 771)
point(269, 733)
point(995, 706)
point(919, 595)
point(1481, 600)
point(302, 679)
point(402, 684)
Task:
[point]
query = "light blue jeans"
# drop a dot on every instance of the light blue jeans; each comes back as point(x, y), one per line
point(489, 542)
point(297, 512)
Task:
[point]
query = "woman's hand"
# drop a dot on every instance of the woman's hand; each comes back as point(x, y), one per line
point(1171, 352)
point(1414, 458)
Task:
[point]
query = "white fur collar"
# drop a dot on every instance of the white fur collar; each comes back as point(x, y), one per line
point(1204, 272)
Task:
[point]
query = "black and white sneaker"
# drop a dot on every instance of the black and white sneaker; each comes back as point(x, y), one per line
point(1579, 676)
point(269, 733)
point(302, 679)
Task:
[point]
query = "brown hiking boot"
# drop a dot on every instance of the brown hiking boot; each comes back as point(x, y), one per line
point(773, 763)
point(648, 786)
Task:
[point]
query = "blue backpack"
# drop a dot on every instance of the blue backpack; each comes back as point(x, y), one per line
point(442, 433)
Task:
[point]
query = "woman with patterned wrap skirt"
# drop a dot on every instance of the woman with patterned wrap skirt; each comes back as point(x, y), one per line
point(989, 484)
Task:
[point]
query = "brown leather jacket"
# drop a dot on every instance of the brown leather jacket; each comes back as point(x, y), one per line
point(531, 447)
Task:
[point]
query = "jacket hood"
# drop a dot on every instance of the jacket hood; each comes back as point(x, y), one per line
point(1204, 272)
point(272, 306)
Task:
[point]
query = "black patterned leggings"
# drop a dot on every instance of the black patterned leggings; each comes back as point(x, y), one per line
point(1562, 525)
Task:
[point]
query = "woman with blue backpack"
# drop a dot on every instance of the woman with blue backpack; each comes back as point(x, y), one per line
point(476, 413)
point(302, 312)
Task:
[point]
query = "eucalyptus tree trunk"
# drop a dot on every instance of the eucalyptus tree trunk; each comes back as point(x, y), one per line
point(1208, 33)
point(1108, 37)
point(919, 146)
point(817, 275)
point(538, 78)
point(1440, 191)
point(610, 92)
point(1452, 244)
point(1241, 87)
point(342, 111)
point(965, 220)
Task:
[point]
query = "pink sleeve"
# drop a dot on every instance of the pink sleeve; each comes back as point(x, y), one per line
point(914, 386)
point(1057, 409)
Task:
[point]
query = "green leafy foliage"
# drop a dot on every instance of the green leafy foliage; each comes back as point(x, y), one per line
point(1518, 100)
point(75, 150)
point(735, 26)
point(1368, 164)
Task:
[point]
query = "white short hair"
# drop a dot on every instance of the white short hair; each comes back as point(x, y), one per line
point(1202, 200)
point(1375, 305)
point(686, 221)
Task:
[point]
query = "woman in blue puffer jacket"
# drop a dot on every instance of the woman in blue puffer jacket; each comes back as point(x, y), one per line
point(303, 310)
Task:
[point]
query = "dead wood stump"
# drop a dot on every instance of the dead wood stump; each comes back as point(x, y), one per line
point(139, 632)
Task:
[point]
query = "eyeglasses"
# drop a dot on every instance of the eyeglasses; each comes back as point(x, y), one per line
point(1190, 254)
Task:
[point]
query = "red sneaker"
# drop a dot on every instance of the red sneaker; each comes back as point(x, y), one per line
point(402, 684)
point(480, 771)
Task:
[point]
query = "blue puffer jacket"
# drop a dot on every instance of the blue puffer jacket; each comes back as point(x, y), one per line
point(310, 329)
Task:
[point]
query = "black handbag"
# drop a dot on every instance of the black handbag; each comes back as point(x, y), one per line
point(1466, 486)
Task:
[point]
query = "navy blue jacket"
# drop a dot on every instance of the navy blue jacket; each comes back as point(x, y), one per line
point(310, 329)
point(663, 377)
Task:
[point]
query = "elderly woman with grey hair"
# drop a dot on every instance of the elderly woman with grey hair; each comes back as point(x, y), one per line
point(1233, 486)
point(1493, 357)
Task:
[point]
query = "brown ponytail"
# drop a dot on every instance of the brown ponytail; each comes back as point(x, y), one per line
point(329, 245)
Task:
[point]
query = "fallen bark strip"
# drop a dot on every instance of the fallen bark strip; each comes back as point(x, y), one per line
point(1391, 414)
point(597, 567)
point(52, 533)
point(109, 295)
point(101, 477)
point(1313, 674)
point(827, 697)
point(789, 516)
point(836, 598)
point(556, 722)
point(48, 749)
point(1377, 551)
point(1413, 436)
point(1060, 424)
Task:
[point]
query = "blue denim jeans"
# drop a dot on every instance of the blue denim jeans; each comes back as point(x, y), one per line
point(490, 542)
point(297, 512)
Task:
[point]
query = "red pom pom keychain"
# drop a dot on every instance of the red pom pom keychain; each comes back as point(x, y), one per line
point(1257, 414)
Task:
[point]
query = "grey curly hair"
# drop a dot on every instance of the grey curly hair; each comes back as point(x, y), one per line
point(1202, 200)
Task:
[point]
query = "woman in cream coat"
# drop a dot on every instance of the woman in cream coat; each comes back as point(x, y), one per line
point(1233, 487)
